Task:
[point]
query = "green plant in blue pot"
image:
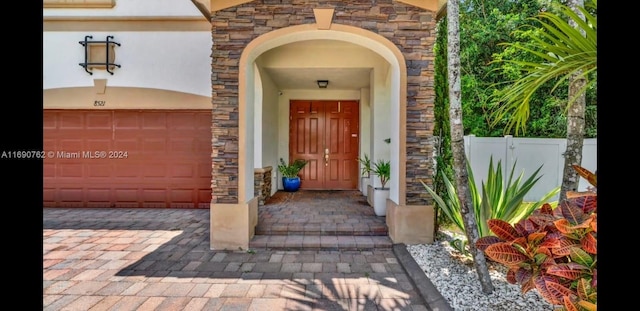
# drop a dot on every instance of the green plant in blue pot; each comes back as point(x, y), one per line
point(290, 178)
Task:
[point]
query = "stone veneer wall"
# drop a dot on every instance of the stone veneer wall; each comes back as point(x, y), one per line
point(413, 31)
point(262, 183)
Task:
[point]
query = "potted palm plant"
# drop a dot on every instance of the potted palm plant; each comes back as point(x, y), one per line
point(382, 169)
point(290, 178)
point(365, 173)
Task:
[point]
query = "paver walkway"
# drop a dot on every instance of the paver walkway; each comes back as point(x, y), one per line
point(159, 259)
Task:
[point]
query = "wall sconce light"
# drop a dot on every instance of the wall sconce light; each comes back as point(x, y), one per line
point(99, 54)
point(323, 84)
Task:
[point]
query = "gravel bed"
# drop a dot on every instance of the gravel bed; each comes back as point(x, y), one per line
point(456, 279)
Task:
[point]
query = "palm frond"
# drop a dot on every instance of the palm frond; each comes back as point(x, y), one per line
point(562, 51)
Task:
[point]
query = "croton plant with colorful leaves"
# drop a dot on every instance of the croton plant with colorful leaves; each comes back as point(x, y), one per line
point(554, 250)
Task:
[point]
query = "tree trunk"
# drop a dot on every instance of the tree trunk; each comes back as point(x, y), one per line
point(457, 146)
point(575, 122)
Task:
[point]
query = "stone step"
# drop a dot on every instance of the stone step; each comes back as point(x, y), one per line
point(318, 242)
point(371, 229)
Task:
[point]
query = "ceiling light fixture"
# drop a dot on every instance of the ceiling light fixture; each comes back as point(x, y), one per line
point(323, 84)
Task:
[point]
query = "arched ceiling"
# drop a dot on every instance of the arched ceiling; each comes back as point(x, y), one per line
point(289, 72)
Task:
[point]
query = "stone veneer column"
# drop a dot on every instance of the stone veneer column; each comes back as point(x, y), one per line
point(262, 184)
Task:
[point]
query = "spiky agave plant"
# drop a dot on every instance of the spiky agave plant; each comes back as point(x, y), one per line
point(500, 198)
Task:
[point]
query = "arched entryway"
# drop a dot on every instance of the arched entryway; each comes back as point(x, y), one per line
point(234, 215)
point(386, 96)
point(392, 98)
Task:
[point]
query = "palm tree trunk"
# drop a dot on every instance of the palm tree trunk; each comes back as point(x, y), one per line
point(575, 122)
point(457, 146)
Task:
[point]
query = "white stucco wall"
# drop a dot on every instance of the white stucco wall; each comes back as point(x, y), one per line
point(259, 86)
point(169, 60)
point(266, 135)
point(132, 8)
point(365, 123)
point(177, 61)
point(381, 122)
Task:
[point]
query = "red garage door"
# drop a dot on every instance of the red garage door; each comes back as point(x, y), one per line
point(127, 158)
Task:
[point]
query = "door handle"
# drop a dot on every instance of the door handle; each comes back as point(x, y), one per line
point(326, 157)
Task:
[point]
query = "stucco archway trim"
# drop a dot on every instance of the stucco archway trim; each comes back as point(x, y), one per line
point(359, 36)
point(118, 97)
point(323, 18)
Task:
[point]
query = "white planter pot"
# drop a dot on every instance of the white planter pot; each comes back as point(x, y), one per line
point(380, 196)
point(370, 194)
point(364, 182)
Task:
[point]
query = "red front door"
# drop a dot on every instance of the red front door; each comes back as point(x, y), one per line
point(326, 134)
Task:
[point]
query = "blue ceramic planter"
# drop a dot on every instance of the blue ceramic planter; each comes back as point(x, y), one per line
point(291, 184)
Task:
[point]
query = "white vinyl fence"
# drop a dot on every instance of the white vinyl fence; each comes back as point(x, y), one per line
point(528, 154)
